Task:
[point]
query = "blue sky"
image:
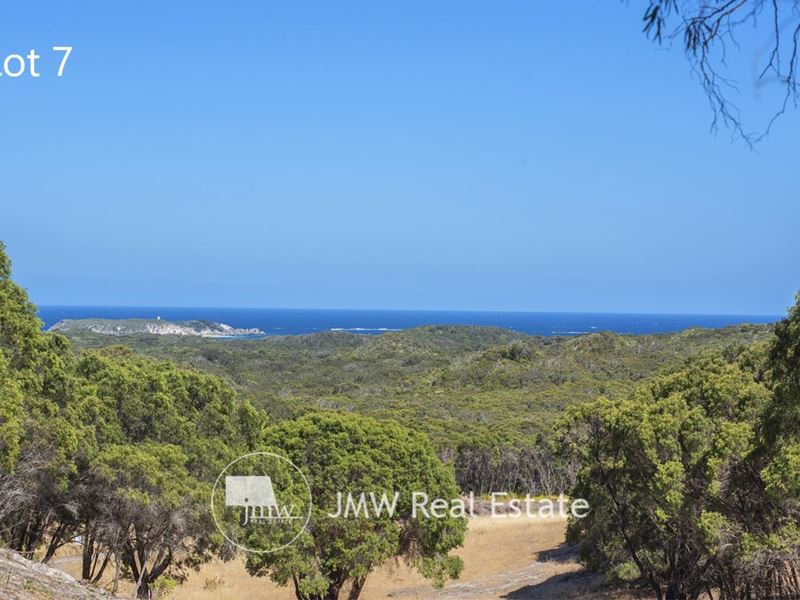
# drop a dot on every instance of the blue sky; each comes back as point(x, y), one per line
point(438, 155)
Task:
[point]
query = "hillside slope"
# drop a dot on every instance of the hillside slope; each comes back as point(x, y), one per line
point(454, 382)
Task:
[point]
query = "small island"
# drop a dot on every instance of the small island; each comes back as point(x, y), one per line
point(208, 329)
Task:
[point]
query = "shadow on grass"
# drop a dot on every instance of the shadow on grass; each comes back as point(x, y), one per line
point(567, 585)
point(562, 553)
point(562, 585)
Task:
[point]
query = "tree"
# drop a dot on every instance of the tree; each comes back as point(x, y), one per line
point(157, 510)
point(350, 454)
point(770, 553)
point(112, 448)
point(708, 30)
point(665, 471)
point(694, 480)
point(783, 417)
point(158, 436)
point(12, 415)
point(37, 440)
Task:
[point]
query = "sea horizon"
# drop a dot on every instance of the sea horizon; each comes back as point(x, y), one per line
point(298, 321)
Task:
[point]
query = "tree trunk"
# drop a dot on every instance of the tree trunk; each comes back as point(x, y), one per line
point(297, 593)
point(675, 591)
point(332, 593)
point(655, 586)
point(143, 590)
point(86, 559)
point(355, 590)
point(115, 587)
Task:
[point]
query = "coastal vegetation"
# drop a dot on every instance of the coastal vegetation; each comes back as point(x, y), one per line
point(489, 399)
point(119, 452)
point(686, 447)
point(694, 478)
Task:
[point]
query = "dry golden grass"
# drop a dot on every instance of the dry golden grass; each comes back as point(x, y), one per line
point(516, 558)
point(494, 549)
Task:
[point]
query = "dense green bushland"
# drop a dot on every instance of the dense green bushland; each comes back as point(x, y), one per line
point(120, 452)
point(113, 449)
point(694, 478)
point(488, 398)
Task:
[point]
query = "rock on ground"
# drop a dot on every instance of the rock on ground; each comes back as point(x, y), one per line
point(22, 579)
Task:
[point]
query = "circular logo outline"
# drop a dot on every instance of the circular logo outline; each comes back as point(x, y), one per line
point(291, 464)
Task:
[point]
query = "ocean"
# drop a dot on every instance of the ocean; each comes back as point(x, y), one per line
point(289, 321)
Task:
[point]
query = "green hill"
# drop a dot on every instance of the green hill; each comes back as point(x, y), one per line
point(472, 389)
